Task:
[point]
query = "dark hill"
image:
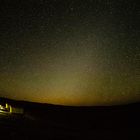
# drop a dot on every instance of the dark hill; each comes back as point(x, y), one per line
point(55, 121)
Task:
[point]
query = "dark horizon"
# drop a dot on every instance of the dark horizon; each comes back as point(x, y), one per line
point(23, 102)
point(55, 122)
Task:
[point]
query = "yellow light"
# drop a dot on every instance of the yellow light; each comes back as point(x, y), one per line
point(6, 106)
point(10, 109)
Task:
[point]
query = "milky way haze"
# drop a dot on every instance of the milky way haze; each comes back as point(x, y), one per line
point(70, 52)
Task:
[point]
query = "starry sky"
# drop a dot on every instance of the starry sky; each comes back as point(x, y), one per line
point(70, 52)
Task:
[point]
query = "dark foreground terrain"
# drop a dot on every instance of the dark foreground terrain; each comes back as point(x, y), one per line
point(48, 122)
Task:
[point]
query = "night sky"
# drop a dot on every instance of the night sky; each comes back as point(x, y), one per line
point(70, 52)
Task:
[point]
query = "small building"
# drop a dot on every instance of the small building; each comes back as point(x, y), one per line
point(7, 108)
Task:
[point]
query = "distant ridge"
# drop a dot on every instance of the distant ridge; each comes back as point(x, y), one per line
point(23, 103)
point(81, 117)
